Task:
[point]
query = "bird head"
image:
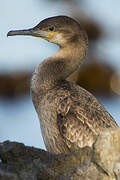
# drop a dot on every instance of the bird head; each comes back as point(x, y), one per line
point(58, 29)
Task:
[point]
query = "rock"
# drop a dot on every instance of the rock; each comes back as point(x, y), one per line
point(101, 162)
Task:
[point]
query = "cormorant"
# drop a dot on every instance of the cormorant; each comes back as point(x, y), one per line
point(70, 117)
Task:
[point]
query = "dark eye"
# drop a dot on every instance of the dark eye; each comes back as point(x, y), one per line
point(51, 28)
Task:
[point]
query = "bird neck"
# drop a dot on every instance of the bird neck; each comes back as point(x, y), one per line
point(58, 67)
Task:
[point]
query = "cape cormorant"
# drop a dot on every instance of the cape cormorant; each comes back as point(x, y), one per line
point(70, 116)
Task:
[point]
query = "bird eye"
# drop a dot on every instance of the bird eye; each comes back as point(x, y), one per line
point(51, 28)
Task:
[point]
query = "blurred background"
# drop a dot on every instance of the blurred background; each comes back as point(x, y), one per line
point(100, 72)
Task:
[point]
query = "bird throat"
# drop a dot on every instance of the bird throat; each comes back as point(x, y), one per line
point(57, 68)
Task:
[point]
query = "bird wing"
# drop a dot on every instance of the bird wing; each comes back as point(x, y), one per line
point(80, 119)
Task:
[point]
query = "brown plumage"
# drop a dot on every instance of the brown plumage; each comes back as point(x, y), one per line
point(70, 116)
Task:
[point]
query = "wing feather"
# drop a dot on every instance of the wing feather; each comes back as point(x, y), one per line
point(80, 121)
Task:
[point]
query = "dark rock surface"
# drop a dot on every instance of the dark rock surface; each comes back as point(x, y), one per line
point(101, 162)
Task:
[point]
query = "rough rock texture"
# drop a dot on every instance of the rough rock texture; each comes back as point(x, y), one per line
point(101, 162)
